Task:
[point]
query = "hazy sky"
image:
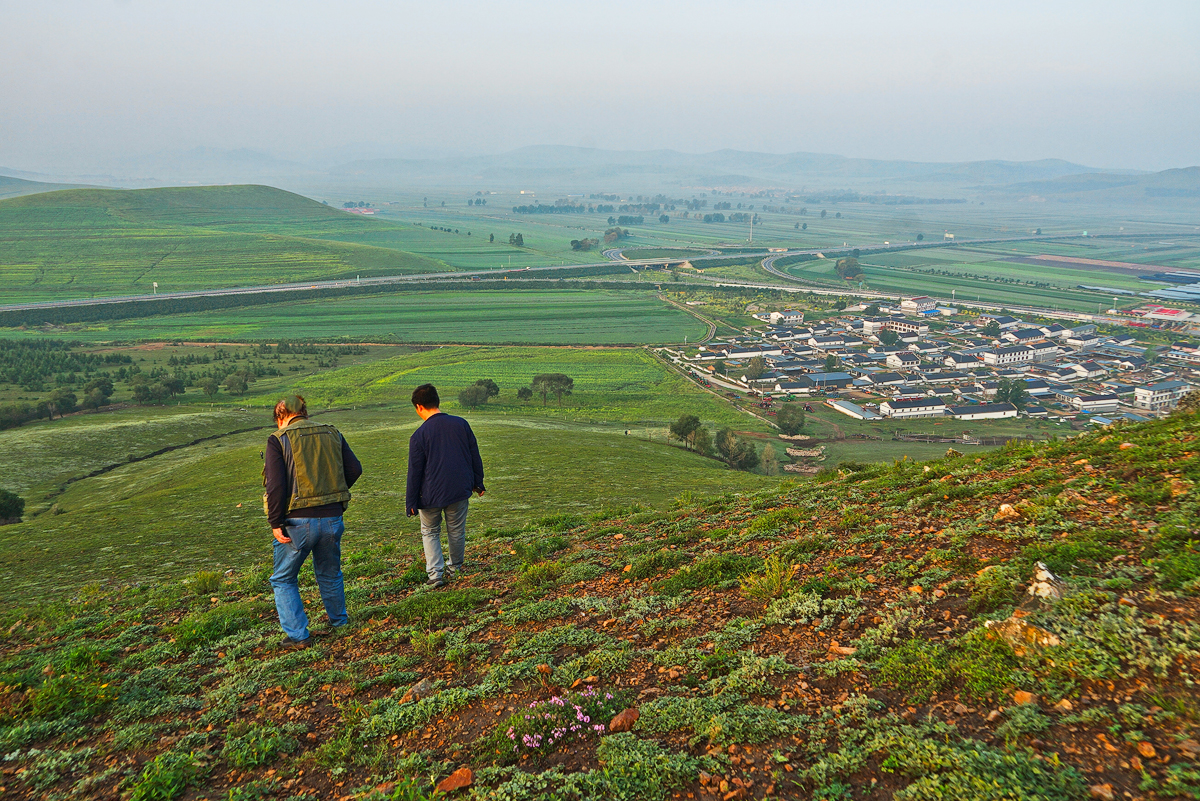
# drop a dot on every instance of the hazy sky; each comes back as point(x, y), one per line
point(1112, 84)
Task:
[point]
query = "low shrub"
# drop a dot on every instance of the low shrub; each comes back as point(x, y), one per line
point(428, 643)
point(206, 582)
point(167, 777)
point(539, 576)
point(256, 746)
point(710, 572)
point(427, 608)
point(918, 669)
point(992, 589)
point(203, 628)
point(774, 581)
point(653, 564)
point(546, 726)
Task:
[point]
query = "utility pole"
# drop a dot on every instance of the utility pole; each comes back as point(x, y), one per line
point(751, 227)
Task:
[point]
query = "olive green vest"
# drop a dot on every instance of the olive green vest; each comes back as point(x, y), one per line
point(313, 454)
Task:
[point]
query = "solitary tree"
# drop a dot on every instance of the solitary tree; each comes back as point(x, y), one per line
point(684, 429)
point(888, 337)
point(664, 219)
point(555, 384)
point(804, 227)
point(1012, 390)
point(12, 506)
point(756, 368)
point(790, 419)
point(524, 393)
point(992, 329)
point(491, 237)
point(235, 384)
point(61, 400)
point(768, 462)
point(210, 387)
point(493, 389)
point(831, 363)
point(473, 396)
point(823, 213)
point(920, 237)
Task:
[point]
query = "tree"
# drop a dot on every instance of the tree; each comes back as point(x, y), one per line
point(1188, 404)
point(520, 241)
point(12, 506)
point(664, 219)
point(804, 227)
point(491, 237)
point(103, 385)
point(555, 384)
point(831, 363)
point(61, 400)
point(524, 393)
point(756, 368)
point(872, 310)
point(823, 213)
point(838, 215)
point(848, 268)
point(768, 462)
point(992, 329)
point(684, 429)
point(888, 337)
point(235, 384)
point(473, 396)
point(1038, 232)
point(173, 386)
point(790, 419)
point(493, 389)
point(584, 244)
point(210, 387)
point(920, 237)
point(737, 453)
point(702, 442)
point(1012, 390)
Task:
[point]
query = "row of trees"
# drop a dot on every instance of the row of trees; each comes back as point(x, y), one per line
point(544, 384)
point(726, 445)
point(584, 244)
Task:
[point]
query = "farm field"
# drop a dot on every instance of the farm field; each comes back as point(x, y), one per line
point(543, 317)
point(612, 385)
point(200, 507)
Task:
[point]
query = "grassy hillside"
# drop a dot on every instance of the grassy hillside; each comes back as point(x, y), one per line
point(14, 187)
point(859, 636)
point(89, 242)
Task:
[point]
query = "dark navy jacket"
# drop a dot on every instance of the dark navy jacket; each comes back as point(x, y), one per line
point(443, 463)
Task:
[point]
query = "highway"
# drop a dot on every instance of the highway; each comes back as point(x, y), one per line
point(614, 254)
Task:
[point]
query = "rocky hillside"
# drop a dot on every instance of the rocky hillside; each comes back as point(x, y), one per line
point(1018, 626)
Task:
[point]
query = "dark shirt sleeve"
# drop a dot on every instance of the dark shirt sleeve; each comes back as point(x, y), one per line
point(476, 460)
point(350, 464)
point(276, 483)
point(416, 473)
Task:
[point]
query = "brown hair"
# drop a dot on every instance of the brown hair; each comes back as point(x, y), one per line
point(289, 406)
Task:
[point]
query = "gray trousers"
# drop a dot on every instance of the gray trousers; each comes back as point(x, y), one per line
point(456, 534)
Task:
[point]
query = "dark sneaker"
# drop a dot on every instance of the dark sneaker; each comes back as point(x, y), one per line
point(295, 645)
point(435, 583)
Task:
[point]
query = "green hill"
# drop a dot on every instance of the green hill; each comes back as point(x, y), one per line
point(867, 634)
point(15, 187)
point(93, 242)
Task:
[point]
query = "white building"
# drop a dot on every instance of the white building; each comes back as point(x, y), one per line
point(917, 407)
point(918, 305)
point(903, 360)
point(984, 411)
point(1014, 354)
point(1160, 397)
point(1096, 404)
point(787, 317)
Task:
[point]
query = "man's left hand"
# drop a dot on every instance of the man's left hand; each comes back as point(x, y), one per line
point(280, 536)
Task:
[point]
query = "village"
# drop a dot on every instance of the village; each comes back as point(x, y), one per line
point(921, 359)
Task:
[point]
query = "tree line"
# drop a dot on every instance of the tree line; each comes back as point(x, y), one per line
point(737, 452)
point(544, 384)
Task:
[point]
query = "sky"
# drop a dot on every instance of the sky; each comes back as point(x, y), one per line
point(95, 86)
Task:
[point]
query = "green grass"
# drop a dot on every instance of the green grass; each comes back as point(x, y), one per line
point(625, 385)
point(542, 317)
point(94, 242)
point(201, 508)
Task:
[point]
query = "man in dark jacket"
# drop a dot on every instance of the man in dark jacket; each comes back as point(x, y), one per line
point(307, 474)
point(443, 469)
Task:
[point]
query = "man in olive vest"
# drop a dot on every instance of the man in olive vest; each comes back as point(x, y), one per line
point(308, 473)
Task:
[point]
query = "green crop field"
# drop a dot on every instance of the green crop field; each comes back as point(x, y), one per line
point(96, 242)
point(200, 506)
point(543, 317)
point(625, 385)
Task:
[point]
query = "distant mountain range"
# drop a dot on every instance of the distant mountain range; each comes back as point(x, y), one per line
point(550, 169)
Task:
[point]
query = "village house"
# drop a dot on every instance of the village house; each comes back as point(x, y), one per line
point(916, 407)
point(918, 305)
point(1013, 354)
point(1160, 397)
point(903, 360)
point(983, 411)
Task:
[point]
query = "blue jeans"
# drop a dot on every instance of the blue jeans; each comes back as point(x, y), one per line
point(431, 536)
point(322, 537)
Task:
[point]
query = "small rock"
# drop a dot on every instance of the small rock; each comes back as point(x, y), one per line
point(1020, 634)
point(961, 709)
point(735, 794)
point(951, 452)
point(545, 669)
point(994, 715)
point(420, 690)
point(1064, 705)
point(1045, 583)
point(1190, 748)
point(939, 593)
point(1135, 763)
point(618, 536)
point(1102, 791)
point(627, 568)
point(1006, 512)
point(456, 781)
point(1022, 697)
point(916, 589)
point(1146, 749)
point(1126, 446)
point(1128, 602)
point(624, 720)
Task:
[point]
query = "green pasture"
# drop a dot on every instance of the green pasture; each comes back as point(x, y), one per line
point(543, 317)
point(619, 385)
point(95, 242)
point(201, 508)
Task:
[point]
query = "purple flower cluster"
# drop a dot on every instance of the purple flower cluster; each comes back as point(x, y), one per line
point(544, 725)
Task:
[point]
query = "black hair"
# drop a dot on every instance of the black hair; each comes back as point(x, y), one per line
point(426, 395)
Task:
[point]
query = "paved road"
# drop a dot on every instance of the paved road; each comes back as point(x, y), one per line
point(615, 253)
point(532, 272)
